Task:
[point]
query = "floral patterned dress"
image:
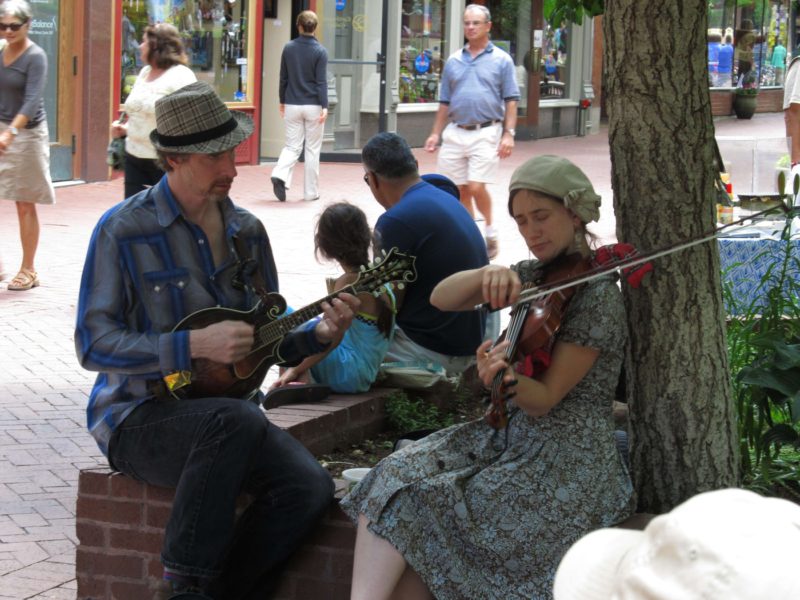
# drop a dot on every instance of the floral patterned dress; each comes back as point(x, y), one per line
point(480, 513)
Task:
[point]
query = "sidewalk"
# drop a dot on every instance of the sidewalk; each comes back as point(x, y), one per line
point(43, 390)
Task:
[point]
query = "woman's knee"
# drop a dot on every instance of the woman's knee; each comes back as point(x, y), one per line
point(26, 209)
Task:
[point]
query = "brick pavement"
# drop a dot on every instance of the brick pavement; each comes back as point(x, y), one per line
point(43, 390)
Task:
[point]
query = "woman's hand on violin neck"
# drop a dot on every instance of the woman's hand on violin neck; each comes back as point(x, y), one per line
point(491, 361)
point(500, 286)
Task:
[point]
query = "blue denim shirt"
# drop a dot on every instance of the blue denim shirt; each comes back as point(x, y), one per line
point(478, 88)
point(148, 267)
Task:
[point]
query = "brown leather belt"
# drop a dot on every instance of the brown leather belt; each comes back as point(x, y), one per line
point(479, 126)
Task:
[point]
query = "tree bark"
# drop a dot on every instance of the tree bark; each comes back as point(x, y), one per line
point(661, 133)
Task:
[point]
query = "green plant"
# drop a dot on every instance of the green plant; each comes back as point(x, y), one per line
point(411, 414)
point(573, 11)
point(764, 358)
point(747, 84)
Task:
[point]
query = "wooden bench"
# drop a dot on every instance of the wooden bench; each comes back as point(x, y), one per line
point(120, 521)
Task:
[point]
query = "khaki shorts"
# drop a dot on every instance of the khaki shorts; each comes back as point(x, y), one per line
point(404, 349)
point(470, 155)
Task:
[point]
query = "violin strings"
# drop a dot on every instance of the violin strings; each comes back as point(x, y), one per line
point(548, 288)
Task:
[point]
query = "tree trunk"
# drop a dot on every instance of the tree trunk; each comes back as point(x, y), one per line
point(682, 418)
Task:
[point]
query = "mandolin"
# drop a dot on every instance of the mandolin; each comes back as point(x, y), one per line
point(242, 379)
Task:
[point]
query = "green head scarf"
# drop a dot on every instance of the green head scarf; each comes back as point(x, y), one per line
point(558, 177)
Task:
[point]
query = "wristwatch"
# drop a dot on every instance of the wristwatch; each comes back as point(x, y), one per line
point(13, 130)
point(513, 132)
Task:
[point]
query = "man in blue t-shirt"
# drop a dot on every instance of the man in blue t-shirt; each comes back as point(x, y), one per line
point(428, 223)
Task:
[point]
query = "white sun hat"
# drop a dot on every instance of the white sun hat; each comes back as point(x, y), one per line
point(727, 544)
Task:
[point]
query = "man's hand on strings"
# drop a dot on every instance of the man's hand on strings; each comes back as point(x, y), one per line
point(336, 317)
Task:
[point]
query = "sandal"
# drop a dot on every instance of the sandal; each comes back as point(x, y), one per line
point(24, 280)
point(296, 393)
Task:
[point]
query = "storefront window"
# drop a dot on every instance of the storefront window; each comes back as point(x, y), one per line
point(748, 42)
point(422, 43)
point(511, 31)
point(214, 34)
point(44, 31)
point(555, 61)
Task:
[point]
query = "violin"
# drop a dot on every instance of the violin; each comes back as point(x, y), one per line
point(533, 326)
point(537, 313)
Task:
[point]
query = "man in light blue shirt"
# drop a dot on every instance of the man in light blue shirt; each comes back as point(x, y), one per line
point(478, 97)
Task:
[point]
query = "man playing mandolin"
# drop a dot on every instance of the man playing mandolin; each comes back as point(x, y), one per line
point(178, 249)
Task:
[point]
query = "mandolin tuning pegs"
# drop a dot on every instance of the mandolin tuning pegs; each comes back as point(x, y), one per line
point(401, 286)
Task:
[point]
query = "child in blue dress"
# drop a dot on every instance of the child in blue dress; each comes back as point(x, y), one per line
point(351, 366)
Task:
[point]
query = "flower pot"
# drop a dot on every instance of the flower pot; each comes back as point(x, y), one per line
point(744, 105)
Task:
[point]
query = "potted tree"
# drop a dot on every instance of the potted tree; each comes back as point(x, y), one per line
point(745, 95)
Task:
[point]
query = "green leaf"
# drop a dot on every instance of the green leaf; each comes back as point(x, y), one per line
point(787, 356)
point(794, 406)
point(780, 434)
point(785, 382)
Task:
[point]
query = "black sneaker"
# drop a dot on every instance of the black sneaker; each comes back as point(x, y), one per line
point(279, 189)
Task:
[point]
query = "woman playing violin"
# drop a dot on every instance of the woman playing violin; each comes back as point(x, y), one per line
point(483, 511)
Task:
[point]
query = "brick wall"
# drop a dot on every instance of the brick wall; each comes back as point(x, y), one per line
point(120, 527)
point(120, 521)
point(768, 101)
point(322, 567)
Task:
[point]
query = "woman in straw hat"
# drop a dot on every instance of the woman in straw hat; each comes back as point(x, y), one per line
point(478, 512)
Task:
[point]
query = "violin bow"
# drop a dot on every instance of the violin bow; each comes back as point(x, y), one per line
point(546, 289)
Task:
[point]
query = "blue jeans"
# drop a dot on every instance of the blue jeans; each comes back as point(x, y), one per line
point(212, 450)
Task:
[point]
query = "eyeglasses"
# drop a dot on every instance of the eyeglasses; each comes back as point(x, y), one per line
point(12, 26)
point(474, 23)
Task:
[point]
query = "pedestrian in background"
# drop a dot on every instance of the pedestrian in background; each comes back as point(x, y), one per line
point(24, 137)
point(714, 43)
point(164, 71)
point(778, 62)
point(478, 96)
point(303, 93)
point(791, 113)
point(725, 63)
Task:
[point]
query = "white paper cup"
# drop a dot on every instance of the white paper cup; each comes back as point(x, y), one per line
point(353, 476)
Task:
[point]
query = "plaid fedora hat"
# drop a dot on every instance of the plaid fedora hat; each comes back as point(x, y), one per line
point(193, 120)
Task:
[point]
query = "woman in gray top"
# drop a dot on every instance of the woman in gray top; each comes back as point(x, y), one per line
point(24, 138)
